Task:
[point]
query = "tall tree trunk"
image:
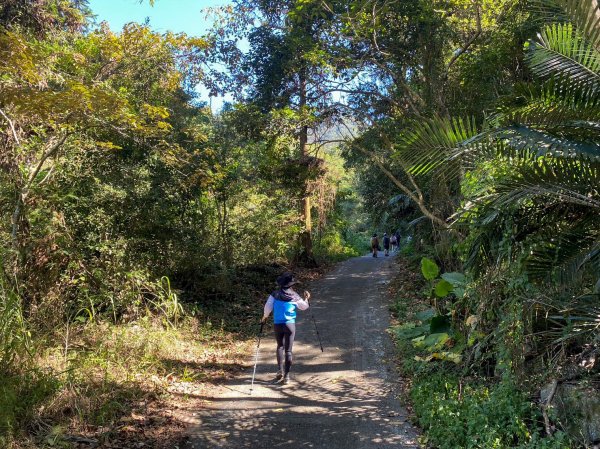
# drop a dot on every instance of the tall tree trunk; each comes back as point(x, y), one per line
point(306, 255)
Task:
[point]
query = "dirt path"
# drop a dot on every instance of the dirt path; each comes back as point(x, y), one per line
point(344, 397)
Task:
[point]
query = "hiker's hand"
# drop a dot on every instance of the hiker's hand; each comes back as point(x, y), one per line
point(306, 295)
point(263, 320)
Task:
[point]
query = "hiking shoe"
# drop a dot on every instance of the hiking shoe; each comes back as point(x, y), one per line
point(284, 380)
point(278, 377)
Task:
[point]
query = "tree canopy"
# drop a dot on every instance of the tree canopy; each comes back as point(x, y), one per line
point(468, 126)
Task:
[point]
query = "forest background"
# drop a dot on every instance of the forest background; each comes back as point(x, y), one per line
point(139, 226)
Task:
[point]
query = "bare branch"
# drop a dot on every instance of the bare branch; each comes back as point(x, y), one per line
point(420, 203)
point(24, 191)
point(51, 151)
point(12, 126)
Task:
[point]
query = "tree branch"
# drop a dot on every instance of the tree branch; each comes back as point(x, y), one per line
point(390, 146)
point(24, 191)
point(47, 154)
point(402, 187)
point(12, 126)
point(411, 96)
point(472, 39)
point(547, 405)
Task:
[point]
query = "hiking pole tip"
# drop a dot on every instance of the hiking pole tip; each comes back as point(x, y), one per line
point(262, 324)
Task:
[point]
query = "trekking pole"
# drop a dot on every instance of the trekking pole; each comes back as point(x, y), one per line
point(312, 315)
point(317, 329)
point(256, 356)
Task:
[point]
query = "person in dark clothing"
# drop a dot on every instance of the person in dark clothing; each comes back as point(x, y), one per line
point(374, 245)
point(386, 244)
point(397, 234)
point(283, 303)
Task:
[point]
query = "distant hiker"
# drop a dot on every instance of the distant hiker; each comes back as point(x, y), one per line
point(283, 303)
point(386, 244)
point(374, 245)
point(393, 242)
point(397, 234)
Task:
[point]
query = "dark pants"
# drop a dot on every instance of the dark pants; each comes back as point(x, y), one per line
point(284, 334)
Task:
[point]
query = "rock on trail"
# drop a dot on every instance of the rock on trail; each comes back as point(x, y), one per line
point(345, 397)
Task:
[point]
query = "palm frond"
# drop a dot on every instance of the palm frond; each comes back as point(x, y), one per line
point(567, 180)
point(552, 106)
point(432, 143)
point(541, 143)
point(573, 319)
point(585, 15)
point(565, 255)
point(401, 201)
point(562, 52)
point(565, 245)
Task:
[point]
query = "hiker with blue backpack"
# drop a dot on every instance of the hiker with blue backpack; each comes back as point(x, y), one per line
point(283, 303)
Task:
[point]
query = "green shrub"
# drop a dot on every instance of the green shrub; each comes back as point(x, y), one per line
point(475, 415)
point(332, 247)
point(406, 247)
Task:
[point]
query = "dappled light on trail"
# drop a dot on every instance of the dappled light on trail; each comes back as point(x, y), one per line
point(344, 397)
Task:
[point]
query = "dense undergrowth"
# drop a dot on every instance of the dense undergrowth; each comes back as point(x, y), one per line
point(93, 385)
point(117, 384)
point(458, 404)
point(140, 232)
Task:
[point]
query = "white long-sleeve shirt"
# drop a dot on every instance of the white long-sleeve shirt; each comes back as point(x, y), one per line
point(287, 311)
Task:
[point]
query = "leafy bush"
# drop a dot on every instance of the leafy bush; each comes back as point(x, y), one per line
point(407, 247)
point(334, 248)
point(474, 415)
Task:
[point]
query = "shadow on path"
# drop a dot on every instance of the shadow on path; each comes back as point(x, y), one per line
point(344, 397)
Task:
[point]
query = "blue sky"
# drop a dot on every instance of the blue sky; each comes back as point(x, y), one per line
point(173, 15)
point(166, 15)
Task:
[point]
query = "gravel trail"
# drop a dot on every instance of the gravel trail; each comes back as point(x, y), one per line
point(345, 397)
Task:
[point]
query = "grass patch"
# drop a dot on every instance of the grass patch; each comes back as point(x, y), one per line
point(116, 383)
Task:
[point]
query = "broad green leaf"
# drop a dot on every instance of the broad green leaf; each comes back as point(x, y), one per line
point(448, 356)
point(429, 269)
point(411, 330)
point(456, 279)
point(443, 288)
point(425, 315)
point(431, 342)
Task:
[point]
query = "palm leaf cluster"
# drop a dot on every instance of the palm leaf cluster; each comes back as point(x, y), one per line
point(537, 161)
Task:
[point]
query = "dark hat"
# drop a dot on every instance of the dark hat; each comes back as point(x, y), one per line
point(375, 235)
point(286, 280)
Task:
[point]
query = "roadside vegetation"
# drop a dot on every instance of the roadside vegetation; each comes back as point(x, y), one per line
point(499, 205)
point(457, 400)
point(140, 230)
